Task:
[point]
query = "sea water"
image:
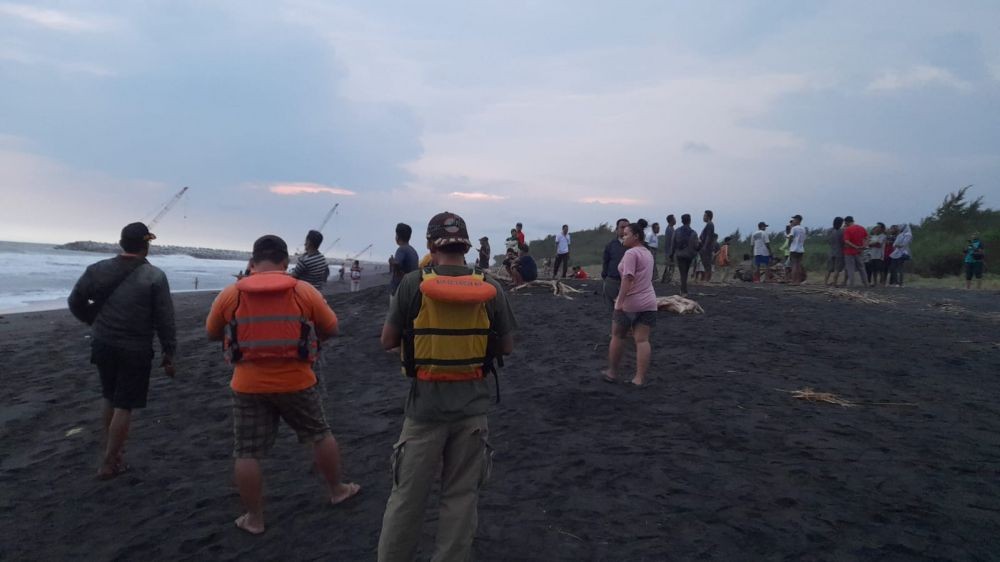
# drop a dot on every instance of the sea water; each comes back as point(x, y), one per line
point(39, 277)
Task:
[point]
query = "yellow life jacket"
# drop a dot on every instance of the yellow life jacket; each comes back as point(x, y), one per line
point(451, 337)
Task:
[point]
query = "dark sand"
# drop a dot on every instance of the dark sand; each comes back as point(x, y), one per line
point(710, 462)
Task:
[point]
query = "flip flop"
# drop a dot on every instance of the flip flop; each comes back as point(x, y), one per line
point(241, 524)
point(354, 488)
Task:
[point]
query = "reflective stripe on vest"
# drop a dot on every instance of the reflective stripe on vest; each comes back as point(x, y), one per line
point(268, 322)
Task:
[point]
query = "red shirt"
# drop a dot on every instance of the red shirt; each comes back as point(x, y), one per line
point(520, 237)
point(855, 234)
point(580, 274)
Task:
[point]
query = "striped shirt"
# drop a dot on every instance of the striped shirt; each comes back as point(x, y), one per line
point(313, 269)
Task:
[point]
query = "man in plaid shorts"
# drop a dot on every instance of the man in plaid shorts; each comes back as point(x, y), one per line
point(271, 324)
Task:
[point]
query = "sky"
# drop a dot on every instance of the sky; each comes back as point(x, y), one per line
point(544, 112)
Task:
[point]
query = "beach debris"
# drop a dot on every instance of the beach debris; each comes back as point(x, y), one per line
point(844, 294)
point(811, 395)
point(73, 431)
point(948, 305)
point(678, 304)
point(559, 288)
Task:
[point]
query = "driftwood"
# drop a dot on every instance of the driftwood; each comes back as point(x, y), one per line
point(844, 294)
point(559, 288)
point(811, 395)
point(678, 304)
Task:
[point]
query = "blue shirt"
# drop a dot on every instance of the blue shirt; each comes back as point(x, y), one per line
point(406, 261)
point(528, 268)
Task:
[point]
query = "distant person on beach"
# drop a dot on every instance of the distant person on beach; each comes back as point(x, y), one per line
point(524, 269)
point(707, 239)
point(875, 249)
point(900, 254)
point(519, 232)
point(445, 431)
point(797, 250)
point(855, 237)
point(563, 240)
point(653, 243)
point(341, 273)
point(635, 308)
point(312, 267)
point(835, 261)
point(890, 240)
point(356, 277)
point(685, 249)
point(508, 261)
point(668, 250)
point(404, 261)
point(484, 253)
point(579, 273)
point(511, 242)
point(761, 253)
point(975, 261)
point(270, 324)
point(613, 252)
point(722, 261)
point(125, 300)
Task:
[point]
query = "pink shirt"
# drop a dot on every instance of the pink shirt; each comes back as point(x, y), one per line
point(638, 262)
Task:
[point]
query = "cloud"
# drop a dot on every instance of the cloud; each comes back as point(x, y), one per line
point(29, 59)
point(307, 188)
point(612, 201)
point(917, 77)
point(475, 196)
point(697, 147)
point(52, 19)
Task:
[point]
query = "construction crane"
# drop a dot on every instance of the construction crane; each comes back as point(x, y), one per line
point(355, 256)
point(327, 218)
point(330, 246)
point(166, 208)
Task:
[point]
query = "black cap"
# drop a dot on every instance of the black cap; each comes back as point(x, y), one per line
point(762, 224)
point(447, 228)
point(797, 217)
point(270, 248)
point(137, 231)
point(848, 218)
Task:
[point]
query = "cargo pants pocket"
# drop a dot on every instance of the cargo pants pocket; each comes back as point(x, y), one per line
point(486, 472)
point(395, 461)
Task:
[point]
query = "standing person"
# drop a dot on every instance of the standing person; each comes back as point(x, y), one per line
point(125, 300)
point(519, 232)
point(668, 250)
point(707, 239)
point(356, 277)
point(484, 253)
point(890, 239)
point(900, 255)
point(635, 308)
point(761, 252)
point(312, 267)
point(722, 260)
point(875, 249)
point(835, 262)
point(797, 250)
point(270, 325)
point(653, 243)
point(445, 431)
point(613, 252)
point(511, 242)
point(855, 237)
point(685, 249)
point(975, 261)
point(562, 251)
point(404, 261)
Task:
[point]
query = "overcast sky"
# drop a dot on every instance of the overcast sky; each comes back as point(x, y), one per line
point(545, 112)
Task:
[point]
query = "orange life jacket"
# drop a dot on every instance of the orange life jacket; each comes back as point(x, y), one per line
point(268, 322)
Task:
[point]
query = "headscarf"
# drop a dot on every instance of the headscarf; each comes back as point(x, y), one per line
point(901, 247)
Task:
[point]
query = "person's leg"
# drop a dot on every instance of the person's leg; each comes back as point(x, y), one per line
point(555, 266)
point(616, 348)
point(415, 459)
point(466, 466)
point(117, 435)
point(893, 272)
point(255, 426)
point(327, 454)
point(683, 267)
point(656, 268)
point(849, 268)
point(250, 484)
point(640, 333)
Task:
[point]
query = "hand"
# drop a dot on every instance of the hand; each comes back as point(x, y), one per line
point(168, 365)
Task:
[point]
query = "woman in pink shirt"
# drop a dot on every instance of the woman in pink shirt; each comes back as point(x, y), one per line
point(635, 308)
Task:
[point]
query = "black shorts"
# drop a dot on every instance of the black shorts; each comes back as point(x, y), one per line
point(630, 319)
point(974, 269)
point(124, 374)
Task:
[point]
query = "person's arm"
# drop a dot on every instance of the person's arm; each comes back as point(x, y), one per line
point(299, 270)
point(215, 323)
point(323, 317)
point(605, 260)
point(79, 298)
point(391, 336)
point(163, 321)
point(627, 280)
point(392, 329)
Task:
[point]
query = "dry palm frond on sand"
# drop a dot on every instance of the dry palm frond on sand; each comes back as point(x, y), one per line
point(559, 288)
point(678, 304)
point(845, 294)
point(811, 395)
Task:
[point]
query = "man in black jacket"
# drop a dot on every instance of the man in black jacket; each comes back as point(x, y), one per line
point(125, 299)
point(613, 253)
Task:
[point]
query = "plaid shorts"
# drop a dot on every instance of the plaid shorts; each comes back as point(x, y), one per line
point(255, 420)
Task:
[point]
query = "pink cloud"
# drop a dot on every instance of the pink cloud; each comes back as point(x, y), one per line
point(475, 196)
point(612, 201)
point(302, 188)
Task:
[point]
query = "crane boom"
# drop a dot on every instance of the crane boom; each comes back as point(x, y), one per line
point(331, 245)
point(366, 248)
point(166, 208)
point(327, 218)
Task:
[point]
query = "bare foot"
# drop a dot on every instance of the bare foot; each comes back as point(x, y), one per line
point(248, 523)
point(345, 492)
point(107, 472)
point(638, 382)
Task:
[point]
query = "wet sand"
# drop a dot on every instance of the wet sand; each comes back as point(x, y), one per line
point(709, 462)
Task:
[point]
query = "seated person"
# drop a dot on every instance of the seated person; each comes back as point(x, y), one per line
point(508, 261)
point(523, 270)
point(579, 273)
point(745, 269)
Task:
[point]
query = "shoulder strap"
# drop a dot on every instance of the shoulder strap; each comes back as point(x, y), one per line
point(103, 294)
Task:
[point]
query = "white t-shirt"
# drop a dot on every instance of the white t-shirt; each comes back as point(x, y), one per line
point(652, 240)
point(798, 237)
point(759, 240)
point(562, 243)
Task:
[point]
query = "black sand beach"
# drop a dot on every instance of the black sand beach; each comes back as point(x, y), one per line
point(709, 462)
